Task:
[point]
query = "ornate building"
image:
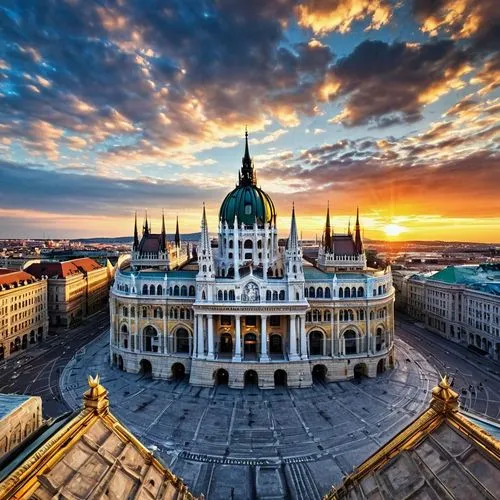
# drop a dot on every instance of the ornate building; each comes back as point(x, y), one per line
point(249, 310)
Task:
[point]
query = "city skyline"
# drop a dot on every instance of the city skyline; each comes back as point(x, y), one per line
point(116, 107)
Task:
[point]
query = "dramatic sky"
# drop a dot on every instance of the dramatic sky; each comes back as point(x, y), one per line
point(114, 105)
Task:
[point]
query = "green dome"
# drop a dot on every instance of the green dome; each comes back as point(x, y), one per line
point(247, 203)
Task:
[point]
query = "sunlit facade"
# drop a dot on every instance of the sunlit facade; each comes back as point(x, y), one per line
point(247, 310)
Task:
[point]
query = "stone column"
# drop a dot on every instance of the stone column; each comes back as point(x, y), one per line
point(165, 333)
point(136, 339)
point(293, 338)
point(303, 336)
point(237, 345)
point(263, 339)
point(337, 334)
point(210, 321)
point(201, 340)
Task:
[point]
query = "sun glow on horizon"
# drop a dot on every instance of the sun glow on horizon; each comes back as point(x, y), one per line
point(394, 230)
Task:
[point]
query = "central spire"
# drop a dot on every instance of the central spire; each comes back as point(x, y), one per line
point(247, 174)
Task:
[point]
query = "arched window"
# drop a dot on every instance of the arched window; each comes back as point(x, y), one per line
point(184, 291)
point(316, 315)
point(170, 291)
point(231, 294)
point(204, 269)
point(312, 292)
point(124, 329)
point(308, 316)
point(219, 295)
point(347, 293)
point(282, 295)
point(306, 292)
point(319, 293)
point(361, 292)
point(176, 290)
point(158, 313)
point(316, 343)
point(341, 315)
point(328, 293)
point(144, 289)
point(125, 311)
point(341, 293)
point(159, 290)
point(152, 290)
point(181, 314)
point(350, 342)
point(192, 291)
point(380, 290)
point(248, 244)
point(150, 338)
point(132, 311)
point(353, 291)
point(203, 295)
point(328, 316)
point(231, 244)
point(182, 341)
point(268, 295)
point(275, 295)
point(144, 312)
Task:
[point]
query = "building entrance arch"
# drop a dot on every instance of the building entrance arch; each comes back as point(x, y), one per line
point(226, 343)
point(360, 371)
point(146, 368)
point(250, 343)
point(275, 344)
point(319, 373)
point(221, 377)
point(280, 378)
point(350, 342)
point(178, 371)
point(381, 366)
point(120, 363)
point(251, 378)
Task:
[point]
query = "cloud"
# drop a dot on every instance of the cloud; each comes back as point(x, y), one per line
point(324, 16)
point(387, 84)
point(460, 18)
point(147, 80)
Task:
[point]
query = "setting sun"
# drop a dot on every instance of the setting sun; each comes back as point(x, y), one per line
point(393, 229)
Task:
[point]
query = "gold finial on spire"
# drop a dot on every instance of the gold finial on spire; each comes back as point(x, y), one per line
point(96, 398)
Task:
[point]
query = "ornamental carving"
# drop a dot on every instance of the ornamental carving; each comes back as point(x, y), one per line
point(250, 293)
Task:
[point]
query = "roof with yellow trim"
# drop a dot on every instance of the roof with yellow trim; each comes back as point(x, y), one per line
point(89, 454)
point(439, 455)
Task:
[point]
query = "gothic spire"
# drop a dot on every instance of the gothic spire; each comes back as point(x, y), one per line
point(136, 235)
point(145, 228)
point(205, 248)
point(357, 234)
point(247, 175)
point(328, 230)
point(177, 234)
point(163, 232)
point(293, 239)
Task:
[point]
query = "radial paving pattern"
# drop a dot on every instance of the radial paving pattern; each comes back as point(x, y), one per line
point(284, 443)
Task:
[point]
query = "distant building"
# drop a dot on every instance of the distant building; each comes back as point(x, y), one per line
point(461, 303)
point(441, 454)
point(23, 311)
point(90, 454)
point(20, 416)
point(76, 288)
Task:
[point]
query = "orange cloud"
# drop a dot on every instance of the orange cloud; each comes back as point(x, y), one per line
point(324, 16)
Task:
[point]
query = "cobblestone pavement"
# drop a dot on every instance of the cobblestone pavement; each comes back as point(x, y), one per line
point(242, 444)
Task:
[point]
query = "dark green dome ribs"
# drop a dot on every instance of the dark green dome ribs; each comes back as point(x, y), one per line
point(248, 203)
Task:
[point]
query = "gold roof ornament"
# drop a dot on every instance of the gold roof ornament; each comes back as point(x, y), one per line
point(96, 398)
point(444, 398)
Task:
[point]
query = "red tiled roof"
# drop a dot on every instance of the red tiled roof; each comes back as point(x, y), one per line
point(12, 277)
point(64, 269)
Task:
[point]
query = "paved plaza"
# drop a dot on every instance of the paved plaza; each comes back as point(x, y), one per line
point(251, 443)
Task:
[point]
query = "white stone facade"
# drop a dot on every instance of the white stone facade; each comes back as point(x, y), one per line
point(250, 311)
